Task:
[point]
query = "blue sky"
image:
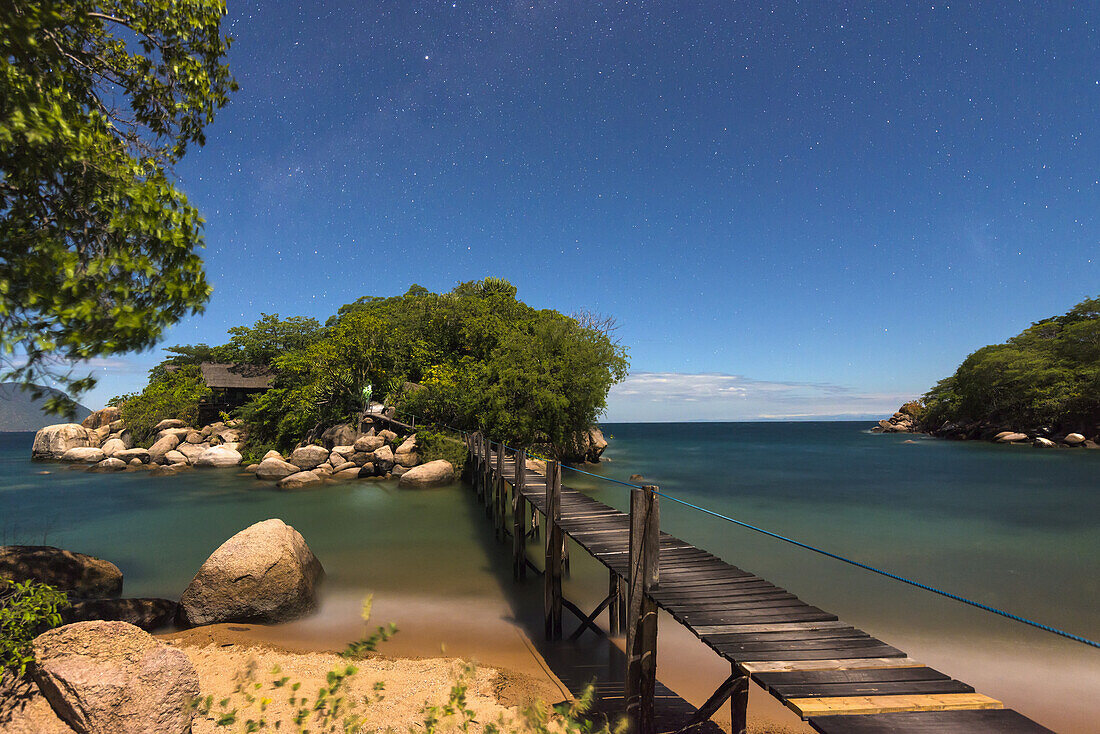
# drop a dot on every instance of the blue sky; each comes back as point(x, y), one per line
point(806, 210)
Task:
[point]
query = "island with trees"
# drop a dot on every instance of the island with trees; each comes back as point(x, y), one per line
point(1041, 387)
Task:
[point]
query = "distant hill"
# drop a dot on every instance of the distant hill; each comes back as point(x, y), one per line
point(19, 412)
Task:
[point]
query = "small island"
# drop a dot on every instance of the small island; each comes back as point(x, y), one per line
point(1041, 387)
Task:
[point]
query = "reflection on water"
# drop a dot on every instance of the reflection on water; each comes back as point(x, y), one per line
point(1010, 526)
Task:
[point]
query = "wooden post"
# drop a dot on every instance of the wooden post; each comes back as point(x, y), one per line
point(552, 576)
point(487, 469)
point(475, 463)
point(613, 620)
point(739, 702)
point(498, 494)
point(641, 628)
point(519, 522)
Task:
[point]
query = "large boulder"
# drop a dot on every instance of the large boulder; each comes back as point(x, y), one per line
point(169, 423)
point(273, 454)
point(162, 446)
point(191, 450)
point(147, 613)
point(341, 434)
point(301, 480)
point(387, 436)
point(129, 455)
point(104, 417)
point(369, 443)
point(97, 436)
point(407, 446)
point(309, 457)
point(586, 446)
point(265, 573)
point(383, 459)
point(218, 456)
point(407, 459)
point(113, 446)
point(1010, 437)
point(77, 573)
point(113, 678)
point(1073, 439)
point(275, 468)
point(175, 457)
point(436, 473)
point(84, 455)
point(53, 441)
point(110, 464)
point(1043, 443)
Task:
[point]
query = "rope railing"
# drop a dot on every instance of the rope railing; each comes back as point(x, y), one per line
point(821, 551)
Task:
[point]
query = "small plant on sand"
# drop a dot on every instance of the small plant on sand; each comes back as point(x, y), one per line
point(337, 709)
point(27, 609)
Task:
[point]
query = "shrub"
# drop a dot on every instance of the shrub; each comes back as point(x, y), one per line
point(169, 394)
point(432, 445)
point(27, 609)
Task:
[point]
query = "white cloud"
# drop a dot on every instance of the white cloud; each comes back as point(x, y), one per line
point(678, 396)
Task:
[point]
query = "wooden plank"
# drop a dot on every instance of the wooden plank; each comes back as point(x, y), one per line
point(708, 630)
point(757, 656)
point(835, 643)
point(796, 614)
point(870, 663)
point(975, 721)
point(849, 705)
point(519, 533)
point(838, 633)
point(867, 675)
point(906, 687)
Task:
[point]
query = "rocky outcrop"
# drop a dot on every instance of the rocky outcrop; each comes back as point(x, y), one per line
point(438, 473)
point(104, 417)
point(110, 464)
point(367, 444)
point(300, 480)
point(587, 446)
point(308, 457)
point(274, 468)
point(169, 423)
point(84, 455)
point(129, 455)
point(265, 573)
point(341, 434)
point(77, 573)
point(113, 678)
point(148, 614)
point(53, 441)
point(162, 446)
point(218, 456)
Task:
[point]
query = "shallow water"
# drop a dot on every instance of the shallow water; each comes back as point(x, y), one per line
point(1010, 526)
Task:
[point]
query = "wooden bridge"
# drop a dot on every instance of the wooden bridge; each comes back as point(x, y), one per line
point(839, 679)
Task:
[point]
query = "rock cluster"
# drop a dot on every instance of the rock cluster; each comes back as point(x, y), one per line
point(104, 442)
point(1043, 437)
point(375, 454)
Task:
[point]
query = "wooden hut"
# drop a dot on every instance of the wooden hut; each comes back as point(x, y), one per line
point(231, 384)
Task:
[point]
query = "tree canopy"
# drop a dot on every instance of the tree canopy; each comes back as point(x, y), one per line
point(1048, 375)
point(98, 248)
point(473, 358)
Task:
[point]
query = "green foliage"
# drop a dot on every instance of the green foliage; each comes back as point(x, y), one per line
point(479, 359)
point(97, 245)
point(432, 445)
point(27, 609)
point(169, 394)
point(1048, 375)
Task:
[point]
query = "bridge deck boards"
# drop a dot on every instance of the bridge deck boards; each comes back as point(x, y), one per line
point(837, 677)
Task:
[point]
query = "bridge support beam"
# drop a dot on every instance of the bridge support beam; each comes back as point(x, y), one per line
point(554, 542)
point(487, 476)
point(498, 495)
point(519, 520)
point(641, 629)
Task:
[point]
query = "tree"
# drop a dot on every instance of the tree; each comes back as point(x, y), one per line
point(1046, 376)
point(98, 99)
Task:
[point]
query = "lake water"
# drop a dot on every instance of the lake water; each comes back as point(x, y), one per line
point(1013, 527)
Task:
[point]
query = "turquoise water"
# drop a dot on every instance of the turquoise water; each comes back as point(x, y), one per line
point(1013, 527)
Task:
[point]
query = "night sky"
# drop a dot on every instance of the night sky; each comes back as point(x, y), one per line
point(794, 211)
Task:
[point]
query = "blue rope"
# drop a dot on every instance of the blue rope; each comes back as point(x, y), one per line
point(919, 585)
point(828, 554)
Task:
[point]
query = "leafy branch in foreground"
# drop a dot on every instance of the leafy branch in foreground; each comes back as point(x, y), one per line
point(98, 99)
point(27, 609)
